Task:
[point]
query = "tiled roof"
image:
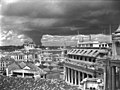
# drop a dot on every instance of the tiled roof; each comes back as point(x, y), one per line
point(13, 66)
point(20, 66)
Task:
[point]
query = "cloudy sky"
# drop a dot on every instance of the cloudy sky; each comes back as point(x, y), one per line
point(31, 19)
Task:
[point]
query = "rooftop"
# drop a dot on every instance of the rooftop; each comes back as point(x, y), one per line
point(87, 52)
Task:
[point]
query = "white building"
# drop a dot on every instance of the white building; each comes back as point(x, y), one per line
point(81, 62)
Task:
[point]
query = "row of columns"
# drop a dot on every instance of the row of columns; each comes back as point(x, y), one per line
point(74, 77)
point(90, 59)
point(112, 78)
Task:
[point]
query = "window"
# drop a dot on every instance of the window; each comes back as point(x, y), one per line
point(99, 45)
point(102, 45)
point(91, 45)
point(94, 60)
point(36, 56)
point(41, 76)
point(79, 45)
point(105, 45)
point(78, 57)
point(81, 58)
point(89, 59)
point(90, 76)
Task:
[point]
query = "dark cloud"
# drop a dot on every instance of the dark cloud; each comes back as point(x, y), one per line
point(64, 17)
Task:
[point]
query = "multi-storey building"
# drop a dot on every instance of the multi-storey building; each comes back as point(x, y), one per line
point(112, 64)
point(24, 55)
point(81, 61)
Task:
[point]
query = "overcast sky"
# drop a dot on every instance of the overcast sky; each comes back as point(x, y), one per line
point(34, 18)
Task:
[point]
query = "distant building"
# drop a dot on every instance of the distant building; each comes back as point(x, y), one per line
point(29, 53)
point(23, 55)
point(4, 62)
point(25, 70)
point(29, 45)
point(95, 44)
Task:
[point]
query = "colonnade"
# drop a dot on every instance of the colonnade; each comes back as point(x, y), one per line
point(74, 77)
point(113, 78)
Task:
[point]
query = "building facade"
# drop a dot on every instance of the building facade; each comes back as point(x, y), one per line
point(112, 64)
point(81, 63)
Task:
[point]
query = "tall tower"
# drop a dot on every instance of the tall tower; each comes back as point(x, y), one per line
point(116, 44)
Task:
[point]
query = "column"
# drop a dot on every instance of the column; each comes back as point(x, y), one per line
point(68, 75)
point(83, 75)
point(72, 76)
point(119, 79)
point(114, 78)
point(75, 78)
point(78, 78)
point(64, 78)
point(110, 78)
point(105, 78)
